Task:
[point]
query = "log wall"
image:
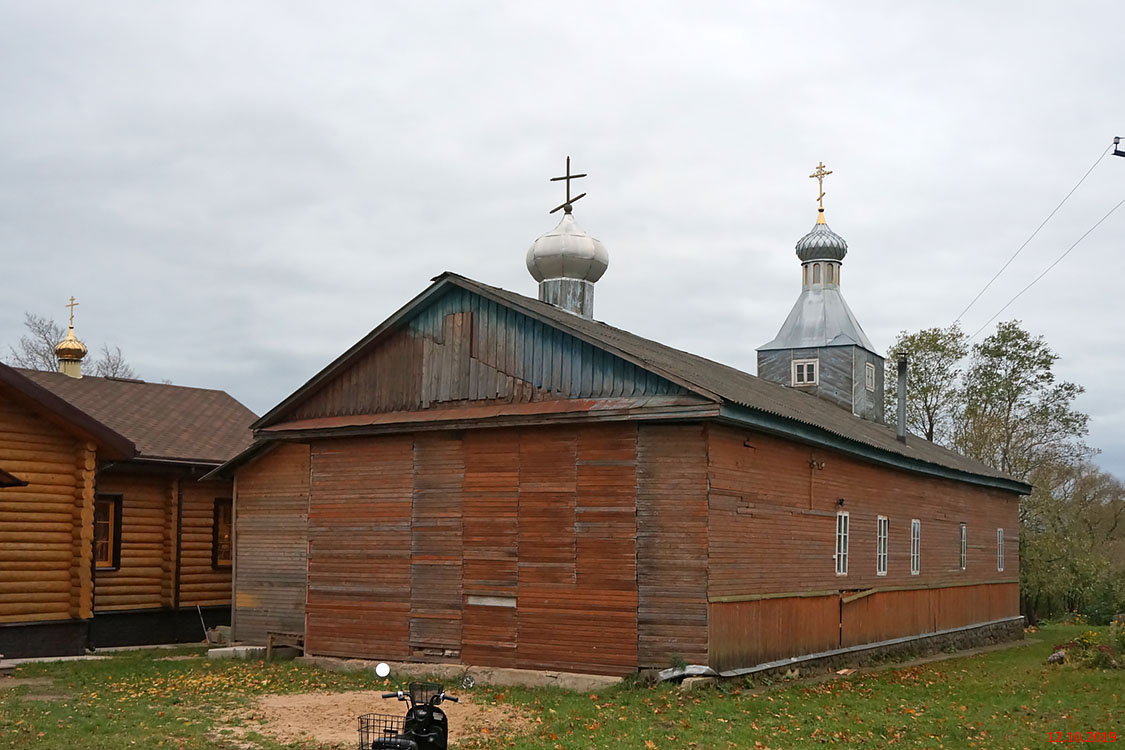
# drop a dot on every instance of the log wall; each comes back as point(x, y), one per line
point(270, 510)
point(201, 583)
point(46, 527)
point(147, 516)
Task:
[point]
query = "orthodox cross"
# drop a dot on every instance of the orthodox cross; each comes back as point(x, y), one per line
point(72, 305)
point(819, 176)
point(568, 206)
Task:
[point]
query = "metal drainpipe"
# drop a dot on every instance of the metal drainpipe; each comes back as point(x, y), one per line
point(900, 428)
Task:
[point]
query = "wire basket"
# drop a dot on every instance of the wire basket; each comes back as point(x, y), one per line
point(422, 692)
point(379, 726)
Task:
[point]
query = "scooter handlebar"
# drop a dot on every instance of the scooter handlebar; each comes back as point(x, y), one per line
point(450, 698)
point(390, 695)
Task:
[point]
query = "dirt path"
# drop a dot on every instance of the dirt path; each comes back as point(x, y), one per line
point(332, 718)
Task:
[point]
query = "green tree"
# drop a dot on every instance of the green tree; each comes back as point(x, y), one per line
point(1015, 416)
point(933, 396)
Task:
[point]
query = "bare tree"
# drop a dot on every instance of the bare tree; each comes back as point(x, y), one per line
point(36, 350)
point(112, 364)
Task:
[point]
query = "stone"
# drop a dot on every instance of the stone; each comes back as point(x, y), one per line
point(696, 683)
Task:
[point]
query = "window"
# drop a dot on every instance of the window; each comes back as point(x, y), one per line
point(842, 543)
point(221, 548)
point(107, 532)
point(999, 549)
point(816, 273)
point(870, 376)
point(828, 273)
point(964, 544)
point(805, 269)
point(883, 526)
point(915, 547)
point(804, 372)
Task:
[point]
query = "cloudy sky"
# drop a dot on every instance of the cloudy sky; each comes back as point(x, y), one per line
point(237, 192)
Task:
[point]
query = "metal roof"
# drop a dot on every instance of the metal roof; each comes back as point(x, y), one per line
point(821, 317)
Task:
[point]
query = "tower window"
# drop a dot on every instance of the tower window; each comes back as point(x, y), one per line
point(804, 372)
point(870, 376)
point(816, 273)
point(806, 275)
point(829, 273)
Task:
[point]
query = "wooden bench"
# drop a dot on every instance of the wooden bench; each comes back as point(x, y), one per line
point(275, 638)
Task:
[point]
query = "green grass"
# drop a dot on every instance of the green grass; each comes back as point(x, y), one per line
point(1002, 699)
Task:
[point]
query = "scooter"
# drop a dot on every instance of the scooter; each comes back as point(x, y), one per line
point(425, 726)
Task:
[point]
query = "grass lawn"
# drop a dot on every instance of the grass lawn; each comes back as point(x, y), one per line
point(1002, 699)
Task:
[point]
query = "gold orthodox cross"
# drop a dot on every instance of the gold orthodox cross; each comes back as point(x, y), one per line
point(819, 176)
point(568, 177)
point(72, 305)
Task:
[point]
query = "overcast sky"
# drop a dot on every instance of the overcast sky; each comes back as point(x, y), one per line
point(236, 191)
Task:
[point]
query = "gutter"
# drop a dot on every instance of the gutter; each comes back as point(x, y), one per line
point(699, 670)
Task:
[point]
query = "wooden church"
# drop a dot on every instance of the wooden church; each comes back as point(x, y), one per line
point(492, 479)
point(107, 535)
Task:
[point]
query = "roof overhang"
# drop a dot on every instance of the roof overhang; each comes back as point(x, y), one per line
point(112, 444)
point(10, 480)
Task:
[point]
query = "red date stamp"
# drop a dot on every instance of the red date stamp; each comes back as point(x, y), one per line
point(1069, 737)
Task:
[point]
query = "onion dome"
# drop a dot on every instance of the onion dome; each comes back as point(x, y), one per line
point(567, 252)
point(821, 243)
point(70, 348)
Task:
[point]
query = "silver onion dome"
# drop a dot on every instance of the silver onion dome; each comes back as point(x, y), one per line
point(821, 244)
point(567, 252)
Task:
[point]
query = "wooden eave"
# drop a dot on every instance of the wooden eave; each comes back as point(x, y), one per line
point(112, 445)
point(441, 282)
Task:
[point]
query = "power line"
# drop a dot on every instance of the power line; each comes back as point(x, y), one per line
point(1029, 239)
point(1057, 261)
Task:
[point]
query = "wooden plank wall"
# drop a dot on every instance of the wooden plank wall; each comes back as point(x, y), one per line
point(271, 510)
point(466, 348)
point(45, 527)
point(501, 547)
point(672, 542)
point(200, 582)
point(753, 632)
point(773, 508)
point(359, 547)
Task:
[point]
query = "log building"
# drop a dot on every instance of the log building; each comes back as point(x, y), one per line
point(499, 480)
point(109, 538)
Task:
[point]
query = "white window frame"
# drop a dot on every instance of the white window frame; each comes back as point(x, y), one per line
point(815, 363)
point(883, 532)
point(915, 546)
point(964, 544)
point(1000, 550)
point(841, 555)
point(870, 376)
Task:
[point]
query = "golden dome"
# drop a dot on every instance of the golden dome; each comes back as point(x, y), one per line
point(70, 347)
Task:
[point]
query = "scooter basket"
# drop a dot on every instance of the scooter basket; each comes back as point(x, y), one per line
point(378, 727)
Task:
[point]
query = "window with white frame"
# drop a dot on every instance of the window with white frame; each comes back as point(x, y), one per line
point(804, 372)
point(915, 547)
point(883, 526)
point(842, 543)
point(870, 376)
point(964, 544)
point(999, 549)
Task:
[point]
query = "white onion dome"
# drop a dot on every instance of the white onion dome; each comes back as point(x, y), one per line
point(567, 252)
point(70, 347)
point(821, 243)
